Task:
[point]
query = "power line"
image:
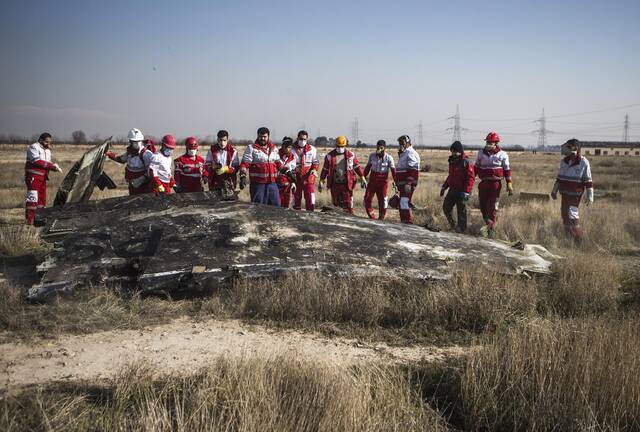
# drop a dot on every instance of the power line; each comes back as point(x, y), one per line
point(355, 131)
point(420, 134)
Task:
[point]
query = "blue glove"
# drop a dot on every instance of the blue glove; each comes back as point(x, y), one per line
point(464, 196)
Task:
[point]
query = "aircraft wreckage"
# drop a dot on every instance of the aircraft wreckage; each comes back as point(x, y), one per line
point(194, 242)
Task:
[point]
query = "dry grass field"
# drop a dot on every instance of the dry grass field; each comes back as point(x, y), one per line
point(559, 352)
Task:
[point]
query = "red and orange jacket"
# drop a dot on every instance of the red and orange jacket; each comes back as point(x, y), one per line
point(574, 176)
point(493, 166)
point(188, 173)
point(461, 174)
point(38, 162)
point(262, 163)
point(379, 167)
point(216, 157)
point(353, 167)
point(306, 161)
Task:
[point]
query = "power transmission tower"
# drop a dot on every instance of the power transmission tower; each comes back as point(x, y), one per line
point(625, 134)
point(457, 129)
point(542, 131)
point(355, 130)
point(420, 135)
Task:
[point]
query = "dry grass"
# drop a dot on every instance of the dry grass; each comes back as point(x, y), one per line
point(281, 394)
point(556, 375)
point(91, 311)
point(18, 240)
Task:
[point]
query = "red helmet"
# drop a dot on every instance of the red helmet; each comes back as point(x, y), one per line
point(191, 143)
point(169, 141)
point(492, 137)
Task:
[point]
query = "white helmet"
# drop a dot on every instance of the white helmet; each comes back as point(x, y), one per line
point(135, 135)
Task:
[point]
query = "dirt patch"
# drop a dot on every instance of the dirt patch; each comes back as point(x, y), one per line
point(185, 346)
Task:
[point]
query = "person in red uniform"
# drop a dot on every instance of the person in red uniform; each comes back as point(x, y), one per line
point(261, 162)
point(339, 172)
point(379, 165)
point(307, 166)
point(407, 175)
point(188, 169)
point(460, 184)
point(137, 160)
point(286, 175)
point(492, 165)
point(222, 165)
point(162, 180)
point(573, 181)
point(36, 174)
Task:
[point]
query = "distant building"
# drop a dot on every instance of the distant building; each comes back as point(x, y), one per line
point(610, 148)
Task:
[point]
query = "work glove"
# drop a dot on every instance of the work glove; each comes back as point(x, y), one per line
point(407, 189)
point(589, 198)
point(138, 181)
point(159, 189)
point(57, 168)
point(293, 187)
point(222, 170)
point(321, 185)
point(243, 181)
point(395, 187)
point(111, 155)
point(290, 176)
point(313, 173)
point(363, 182)
point(443, 189)
point(510, 188)
point(177, 188)
point(464, 196)
point(554, 191)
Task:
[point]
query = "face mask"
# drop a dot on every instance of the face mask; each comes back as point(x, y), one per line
point(136, 145)
point(302, 143)
point(192, 152)
point(340, 150)
point(167, 152)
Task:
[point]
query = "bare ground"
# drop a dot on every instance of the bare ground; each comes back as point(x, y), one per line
point(185, 345)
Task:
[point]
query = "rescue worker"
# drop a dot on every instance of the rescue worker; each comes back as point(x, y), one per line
point(261, 162)
point(162, 181)
point(460, 184)
point(137, 160)
point(286, 177)
point(407, 175)
point(307, 166)
point(36, 174)
point(222, 164)
point(188, 171)
point(574, 178)
point(491, 166)
point(339, 172)
point(379, 165)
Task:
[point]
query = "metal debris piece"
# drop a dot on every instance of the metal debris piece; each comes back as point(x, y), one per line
point(194, 242)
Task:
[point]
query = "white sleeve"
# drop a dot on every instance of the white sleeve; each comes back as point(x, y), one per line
point(32, 153)
point(505, 161)
point(414, 160)
point(235, 162)
point(247, 157)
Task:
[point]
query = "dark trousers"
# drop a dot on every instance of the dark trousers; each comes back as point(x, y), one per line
point(452, 199)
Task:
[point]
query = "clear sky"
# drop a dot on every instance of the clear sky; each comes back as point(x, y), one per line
point(194, 67)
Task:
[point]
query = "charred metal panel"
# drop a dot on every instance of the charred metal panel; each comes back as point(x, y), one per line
point(192, 242)
point(85, 174)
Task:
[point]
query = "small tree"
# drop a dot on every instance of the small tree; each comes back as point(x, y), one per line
point(78, 137)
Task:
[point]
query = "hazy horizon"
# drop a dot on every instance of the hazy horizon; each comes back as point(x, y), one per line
point(193, 68)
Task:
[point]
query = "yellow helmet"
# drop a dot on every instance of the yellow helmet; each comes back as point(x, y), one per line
point(341, 141)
